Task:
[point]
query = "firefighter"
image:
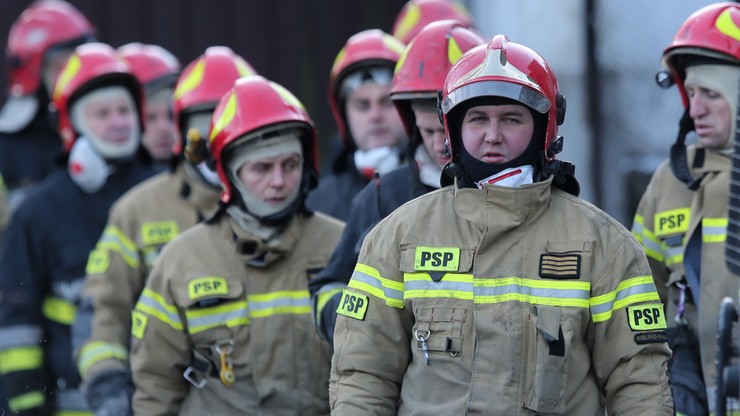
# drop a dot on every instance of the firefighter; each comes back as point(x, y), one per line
point(223, 325)
point(681, 220)
point(414, 93)
point(99, 109)
point(416, 14)
point(157, 70)
point(504, 293)
point(140, 224)
point(371, 132)
point(39, 43)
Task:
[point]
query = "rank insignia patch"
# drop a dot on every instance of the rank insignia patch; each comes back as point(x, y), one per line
point(560, 266)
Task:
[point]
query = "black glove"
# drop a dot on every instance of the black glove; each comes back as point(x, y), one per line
point(329, 318)
point(109, 393)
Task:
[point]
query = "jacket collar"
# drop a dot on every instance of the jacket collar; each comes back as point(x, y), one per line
point(503, 207)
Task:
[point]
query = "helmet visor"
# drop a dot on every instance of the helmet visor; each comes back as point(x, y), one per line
point(527, 96)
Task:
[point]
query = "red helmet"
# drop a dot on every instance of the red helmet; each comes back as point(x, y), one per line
point(253, 104)
point(423, 66)
point(370, 47)
point(416, 14)
point(154, 66)
point(502, 69)
point(42, 26)
point(204, 81)
point(711, 32)
point(91, 66)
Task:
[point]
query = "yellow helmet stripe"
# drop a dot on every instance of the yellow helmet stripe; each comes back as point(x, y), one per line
point(192, 80)
point(727, 26)
point(226, 117)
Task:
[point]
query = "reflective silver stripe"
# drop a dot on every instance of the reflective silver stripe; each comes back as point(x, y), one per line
point(217, 318)
point(150, 255)
point(20, 336)
point(112, 237)
point(622, 294)
point(372, 281)
point(532, 291)
point(652, 245)
point(277, 303)
point(638, 228)
point(148, 302)
point(428, 285)
point(713, 229)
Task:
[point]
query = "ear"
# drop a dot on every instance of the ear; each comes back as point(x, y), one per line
point(560, 108)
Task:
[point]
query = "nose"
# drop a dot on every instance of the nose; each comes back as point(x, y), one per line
point(278, 177)
point(439, 142)
point(376, 111)
point(697, 106)
point(493, 134)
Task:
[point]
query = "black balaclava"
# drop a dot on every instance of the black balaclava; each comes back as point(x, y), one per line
point(475, 170)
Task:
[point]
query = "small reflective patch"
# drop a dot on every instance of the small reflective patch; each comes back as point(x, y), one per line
point(651, 337)
point(138, 324)
point(560, 266)
point(207, 286)
point(98, 262)
point(159, 232)
point(353, 305)
point(671, 222)
point(646, 317)
point(446, 259)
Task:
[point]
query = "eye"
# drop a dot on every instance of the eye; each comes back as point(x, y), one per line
point(713, 94)
point(291, 165)
point(260, 168)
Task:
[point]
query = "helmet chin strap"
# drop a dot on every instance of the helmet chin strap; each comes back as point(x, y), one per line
point(678, 158)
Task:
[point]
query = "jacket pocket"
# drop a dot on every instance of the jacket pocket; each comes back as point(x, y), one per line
point(217, 317)
point(439, 330)
point(547, 376)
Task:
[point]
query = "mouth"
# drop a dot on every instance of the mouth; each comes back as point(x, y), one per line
point(493, 157)
point(442, 159)
point(274, 201)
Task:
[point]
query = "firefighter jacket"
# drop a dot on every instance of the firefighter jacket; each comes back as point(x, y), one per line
point(43, 260)
point(223, 325)
point(377, 199)
point(668, 217)
point(140, 224)
point(501, 301)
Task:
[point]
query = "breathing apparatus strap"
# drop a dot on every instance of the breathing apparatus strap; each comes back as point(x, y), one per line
point(679, 159)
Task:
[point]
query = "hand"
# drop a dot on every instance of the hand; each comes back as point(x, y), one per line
point(109, 393)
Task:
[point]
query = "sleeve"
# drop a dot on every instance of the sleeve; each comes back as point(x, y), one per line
point(371, 340)
point(627, 336)
point(643, 230)
point(22, 283)
point(115, 278)
point(326, 288)
point(161, 349)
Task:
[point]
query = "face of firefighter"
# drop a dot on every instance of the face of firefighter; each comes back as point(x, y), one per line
point(160, 133)
point(111, 120)
point(272, 180)
point(497, 133)
point(712, 116)
point(433, 135)
point(372, 118)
